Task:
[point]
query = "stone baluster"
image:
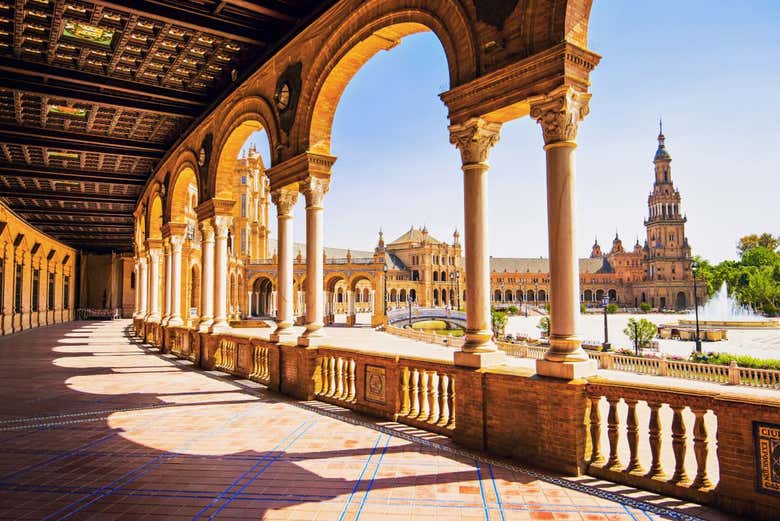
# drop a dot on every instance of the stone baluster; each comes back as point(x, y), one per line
point(415, 394)
point(339, 377)
point(433, 394)
point(632, 428)
point(444, 412)
point(405, 402)
point(597, 456)
point(324, 378)
point(425, 409)
point(351, 374)
point(656, 469)
point(451, 400)
point(701, 450)
point(679, 446)
point(332, 375)
point(613, 433)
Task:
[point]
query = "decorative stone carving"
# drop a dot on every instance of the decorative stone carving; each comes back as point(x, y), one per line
point(560, 113)
point(177, 241)
point(474, 139)
point(206, 232)
point(285, 200)
point(314, 190)
point(222, 226)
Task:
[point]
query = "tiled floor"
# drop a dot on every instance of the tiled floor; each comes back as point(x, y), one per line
point(94, 427)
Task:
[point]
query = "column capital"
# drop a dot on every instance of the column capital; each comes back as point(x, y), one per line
point(285, 199)
point(206, 231)
point(177, 241)
point(559, 113)
point(300, 167)
point(314, 190)
point(214, 207)
point(474, 138)
point(222, 225)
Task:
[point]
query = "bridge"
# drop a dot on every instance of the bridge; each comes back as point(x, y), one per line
point(401, 316)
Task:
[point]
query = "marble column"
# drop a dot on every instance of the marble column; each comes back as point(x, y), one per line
point(206, 277)
point(154, 285)
point(474, 139)
point(166, 311)
point(314, 190)
point(559, 115)
point(221, 229)
point(249, 311)
point(284, 199)
point(142, 285)
point(174, 313)
point(137, 268)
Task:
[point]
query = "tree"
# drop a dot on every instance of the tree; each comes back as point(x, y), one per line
point(766, 240)
point(760, 256)
point(544, 325)
point(644, 307)
point(498, 319)
point(612, 308)
point(641, 331)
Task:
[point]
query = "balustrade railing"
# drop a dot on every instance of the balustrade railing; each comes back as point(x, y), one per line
point(624, 421)
point(768, 378)
point(336, 378)
point(226, 355)
point(261, 364)
point(427, 397)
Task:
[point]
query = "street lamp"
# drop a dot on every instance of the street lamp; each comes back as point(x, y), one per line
point(605, 345)
point(457, 286)
point(536, 293)
point(452, 282)
point(522, 296)
point(409, 301)
point(694, 267)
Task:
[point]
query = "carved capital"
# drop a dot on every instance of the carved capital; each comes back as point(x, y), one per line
point(222, 226)
point(559, 113)
point(177, 241)
point(206, 231)
point(474, 139)
point(314, 190)
point(284, 199)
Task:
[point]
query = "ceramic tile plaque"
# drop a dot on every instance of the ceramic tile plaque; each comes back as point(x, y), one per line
point(767, 445)
point(376, 388)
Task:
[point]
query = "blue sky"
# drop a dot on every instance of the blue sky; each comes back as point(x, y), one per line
point(709, 68)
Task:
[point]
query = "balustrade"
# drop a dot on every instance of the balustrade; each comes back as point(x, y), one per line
point(226, 355)
point(261, 364)
point(336, 378)
point(658, 420)
point(427, 397)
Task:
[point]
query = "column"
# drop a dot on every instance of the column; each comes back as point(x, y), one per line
point(474, 139)
point(154, 283)
point(206, 276)
point(142, 285)
point(221, 227)
point(284, 199)
point(166, 311)
point(137, 270)
point(174, 312)
point(559, 114)
point(314, 190)
point(249, 306)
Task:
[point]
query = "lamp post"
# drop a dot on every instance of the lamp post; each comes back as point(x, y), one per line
point(452, 282)
point(605, 345)
point(384, 270)
point(694, 267)
point(409, 301)
point(536, 293)
point(522, 297)
point(457, 286)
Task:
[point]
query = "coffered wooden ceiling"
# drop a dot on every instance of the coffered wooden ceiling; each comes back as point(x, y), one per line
point(93, 94)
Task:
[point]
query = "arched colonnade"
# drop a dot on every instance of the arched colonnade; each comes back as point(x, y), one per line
point(490, 85)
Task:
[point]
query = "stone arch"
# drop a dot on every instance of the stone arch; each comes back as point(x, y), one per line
point(531, 297)
point(435, 296)
point(612, 294)
point(374, 26)
point(357, 277)
point(497, 295)
point(681, 301)
point(154, 221)
point(599, 295)
point(185, 173)
point(435, 276)
point(508, 295)
point(542, 295)
point(249, 115)
point(588, 296)
point(393, 295)
point(333, 279)
point(262, 296)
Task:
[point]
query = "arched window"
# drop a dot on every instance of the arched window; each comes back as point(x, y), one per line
point(435, 296)
point(508, 296)
point(402, 297)
point(435, 276)
point(519, 296)
point(443, 277)
point(497, 296)
point(542, 295)
point(588, 295)
point(530, 296)
point(599, 295)
point(415, 275)
point(340, 296)
point(412, 295)
point(393, 295)
point(612, 295)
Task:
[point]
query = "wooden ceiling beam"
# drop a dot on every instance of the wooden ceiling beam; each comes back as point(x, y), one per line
point(70, 196)
point(261, 9)
point(88, 96)
point(109, 214)
point(80, 141)
point(60, 174)
point(20, 68)
point(184, 16)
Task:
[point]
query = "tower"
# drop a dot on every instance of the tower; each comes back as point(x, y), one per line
point(667, 255)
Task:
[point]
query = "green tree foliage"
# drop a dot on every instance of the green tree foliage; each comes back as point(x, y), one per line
point(499, 319)
point(765, 240)
point(641, 331)
point(544, 324)
point(644, 307)
point(612, 308)
point(753, 280)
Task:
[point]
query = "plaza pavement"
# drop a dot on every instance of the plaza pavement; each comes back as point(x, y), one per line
point(96, 426)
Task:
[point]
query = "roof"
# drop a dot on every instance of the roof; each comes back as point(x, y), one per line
point(393, 262)
point(413, 235)
point(542, 265)
point(331, 253)
point(96, 92)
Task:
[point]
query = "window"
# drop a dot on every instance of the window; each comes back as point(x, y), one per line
point(51, 291)
point(18, 289)
point(243, 203)
point(243, 179)
point(65, 292)
point(243, 240)
point(36, 288)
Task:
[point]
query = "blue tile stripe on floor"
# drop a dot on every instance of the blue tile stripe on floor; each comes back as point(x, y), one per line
point(482, 490)
point(373, 477)
point(360, 478)
point(495, 491)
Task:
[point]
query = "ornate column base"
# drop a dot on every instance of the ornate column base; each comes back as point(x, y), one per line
point(313, 336)
point(566, 359)
point(175, 322)
point(220, 326)
point(479, 359)
point(153, 319)
point(205, 324)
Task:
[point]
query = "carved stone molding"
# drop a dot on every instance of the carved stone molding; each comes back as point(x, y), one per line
point(206, 231)
point(299, 168)
point(559, 113)
point(284, 199)
point(474, 139)
point(314, 190)
point(222, 226)
point(177, 241)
